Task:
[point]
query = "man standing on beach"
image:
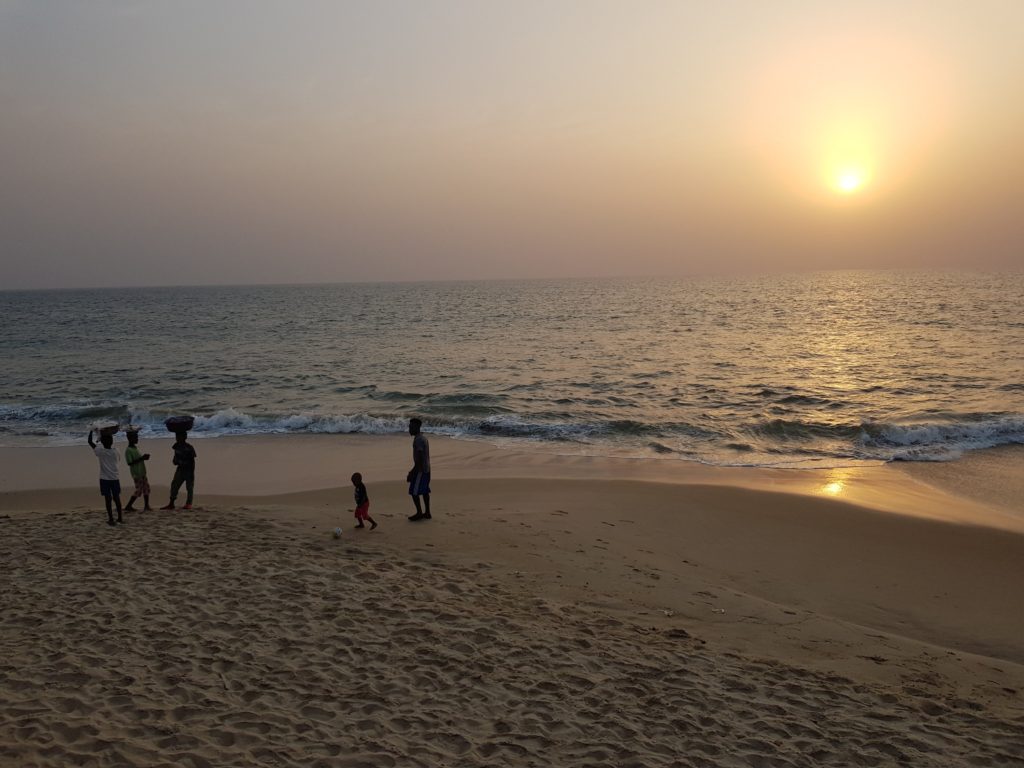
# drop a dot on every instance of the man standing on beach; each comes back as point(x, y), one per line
point(419, 475)
point(184, 470)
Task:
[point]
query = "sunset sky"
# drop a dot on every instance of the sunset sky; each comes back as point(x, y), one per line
point(164, 143)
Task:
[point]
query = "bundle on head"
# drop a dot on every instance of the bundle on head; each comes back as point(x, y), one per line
point(179, 424)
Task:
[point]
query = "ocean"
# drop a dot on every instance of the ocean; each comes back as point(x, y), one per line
point(802, 370)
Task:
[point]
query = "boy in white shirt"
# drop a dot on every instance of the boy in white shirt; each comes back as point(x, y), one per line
point(110, 486)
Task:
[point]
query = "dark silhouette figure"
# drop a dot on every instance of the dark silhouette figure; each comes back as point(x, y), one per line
point(362, 509)
point(185, 470)
point(136, 461)
point(419, 475)
point(110, 485)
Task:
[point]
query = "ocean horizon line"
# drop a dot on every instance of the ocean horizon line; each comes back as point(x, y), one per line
point(724, 275)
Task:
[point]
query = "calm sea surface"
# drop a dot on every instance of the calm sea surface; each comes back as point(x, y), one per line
point(801, 370)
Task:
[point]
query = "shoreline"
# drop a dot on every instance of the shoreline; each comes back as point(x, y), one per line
point(986, 490)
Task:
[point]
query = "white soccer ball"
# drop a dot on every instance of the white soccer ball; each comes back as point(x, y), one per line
point(337, 533)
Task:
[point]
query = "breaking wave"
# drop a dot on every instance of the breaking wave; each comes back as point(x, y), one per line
point(942, 441)
point(759, 443)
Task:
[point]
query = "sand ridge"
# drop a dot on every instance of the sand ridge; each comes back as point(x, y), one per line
point(244, 635)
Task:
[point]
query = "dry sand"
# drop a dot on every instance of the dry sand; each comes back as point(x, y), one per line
point(557, 611)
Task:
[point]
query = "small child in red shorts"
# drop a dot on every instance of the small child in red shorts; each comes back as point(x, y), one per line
point(362, 509)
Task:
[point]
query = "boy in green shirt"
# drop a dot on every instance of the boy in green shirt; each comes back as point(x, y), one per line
point(136, 461)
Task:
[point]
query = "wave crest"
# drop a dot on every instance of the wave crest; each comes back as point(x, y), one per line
point(943, 441)
point(763, 441)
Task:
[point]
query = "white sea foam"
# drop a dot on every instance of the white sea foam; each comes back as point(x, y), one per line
point(875, 441)
point(228, 420)
point(942, 441)
point(231, 421)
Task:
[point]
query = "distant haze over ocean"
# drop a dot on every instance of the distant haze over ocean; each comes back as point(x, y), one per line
point(822, 369)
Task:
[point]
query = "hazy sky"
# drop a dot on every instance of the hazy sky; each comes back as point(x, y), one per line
point(178, 142)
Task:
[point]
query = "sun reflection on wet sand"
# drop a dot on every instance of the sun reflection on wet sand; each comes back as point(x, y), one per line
point(833, 488)
point(836, 482)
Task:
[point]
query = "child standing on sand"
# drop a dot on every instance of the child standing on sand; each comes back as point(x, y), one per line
point(136, 461)
point(110, 486)
point(362, 509)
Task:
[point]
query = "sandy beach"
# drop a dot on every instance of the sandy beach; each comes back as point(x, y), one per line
point(559, 610)
point(711, 314)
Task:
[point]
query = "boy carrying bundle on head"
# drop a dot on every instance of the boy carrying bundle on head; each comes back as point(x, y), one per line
point(110, 486)
point(184, 470)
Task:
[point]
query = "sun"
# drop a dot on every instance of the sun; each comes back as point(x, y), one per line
point(848, 155)
point(848, 181)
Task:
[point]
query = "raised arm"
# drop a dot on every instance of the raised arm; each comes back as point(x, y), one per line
point(91, 443)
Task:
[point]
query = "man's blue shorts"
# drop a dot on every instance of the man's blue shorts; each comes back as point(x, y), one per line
point(420, 484)
point(110, 488)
